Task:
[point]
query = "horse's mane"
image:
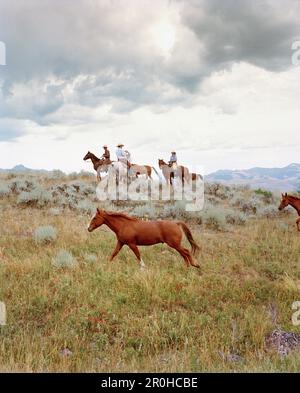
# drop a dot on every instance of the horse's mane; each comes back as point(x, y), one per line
point(92, 154)
point(121, 215)
point(294, 197)
point(162, 161)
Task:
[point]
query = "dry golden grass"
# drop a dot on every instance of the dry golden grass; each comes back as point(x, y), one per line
point(114, 317)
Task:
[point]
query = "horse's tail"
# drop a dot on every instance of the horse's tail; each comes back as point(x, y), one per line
point(188, 234)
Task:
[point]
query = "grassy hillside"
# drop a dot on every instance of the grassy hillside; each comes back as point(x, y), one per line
point(79, 312)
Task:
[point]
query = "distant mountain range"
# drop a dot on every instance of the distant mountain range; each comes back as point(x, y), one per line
point(284, 179)
point(22, 168)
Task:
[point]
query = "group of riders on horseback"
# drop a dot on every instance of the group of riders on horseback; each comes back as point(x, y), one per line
point(125, 157)
point(170, 170)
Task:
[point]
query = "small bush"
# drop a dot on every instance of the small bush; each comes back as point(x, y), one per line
point(86, 206)
point(55, 211)
point(145, 211)
point(44, 234)
point(265, 193)
point(38, 197)
point(268, 211)
point(214, 218)
point(17, 185)
point(64, 259)
point(56, 174)
point(236, 218)
point(251, 205)
point(4, 190)
point(90, 258)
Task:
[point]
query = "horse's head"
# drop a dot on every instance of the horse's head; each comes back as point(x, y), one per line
point(284, 201)
point(87, 156)
point(97, 220)
point(161, 162)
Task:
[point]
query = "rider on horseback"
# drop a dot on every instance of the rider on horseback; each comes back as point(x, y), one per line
point(106, 156)
point(123, 156)
point(173, 160)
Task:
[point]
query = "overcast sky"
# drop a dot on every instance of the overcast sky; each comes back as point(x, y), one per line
point(213, 80)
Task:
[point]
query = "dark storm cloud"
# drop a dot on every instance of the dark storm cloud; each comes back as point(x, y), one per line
point(98, 52)
point(258, 32)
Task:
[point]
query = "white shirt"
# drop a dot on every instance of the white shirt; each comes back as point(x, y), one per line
point(120, 153)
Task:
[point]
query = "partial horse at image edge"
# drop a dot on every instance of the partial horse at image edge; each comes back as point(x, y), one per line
point(292, 201)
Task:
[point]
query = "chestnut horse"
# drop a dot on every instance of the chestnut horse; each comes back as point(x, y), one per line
point(294, 202)
point(134, 232)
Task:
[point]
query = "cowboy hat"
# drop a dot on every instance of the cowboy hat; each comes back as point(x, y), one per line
point(120, 145)
point(104, 146)
point(173, 151)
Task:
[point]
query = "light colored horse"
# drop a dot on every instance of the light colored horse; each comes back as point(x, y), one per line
point(170, 173)
point(136, 170)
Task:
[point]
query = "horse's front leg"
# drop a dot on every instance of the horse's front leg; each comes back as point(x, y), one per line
point(298, 224)
point(136, 251)
point(116, 250)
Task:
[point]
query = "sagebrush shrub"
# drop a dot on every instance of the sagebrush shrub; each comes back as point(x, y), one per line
point(44, 234)
point(90, 258)
point(235, 218)
point(86, 206)
point(4, 190)
point(56, 174)
point(251, 205)
point(214, 218)
point(17, 185)
point(142, 211)
point(55, 211)
point(64, 259)
point(38, 197)
point(268, 211)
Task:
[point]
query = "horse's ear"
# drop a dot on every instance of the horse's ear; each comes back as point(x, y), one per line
point(286, 194)
point(98, 210)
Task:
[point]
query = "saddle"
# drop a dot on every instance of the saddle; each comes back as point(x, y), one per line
point(173, 165)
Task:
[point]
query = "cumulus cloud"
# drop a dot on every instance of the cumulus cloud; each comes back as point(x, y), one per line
point(201, 75)
point(103, 52)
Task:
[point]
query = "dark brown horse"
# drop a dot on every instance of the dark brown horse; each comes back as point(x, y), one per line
point(134, 232)
point(294, 202)
point(97, 162)
point(169, 173)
